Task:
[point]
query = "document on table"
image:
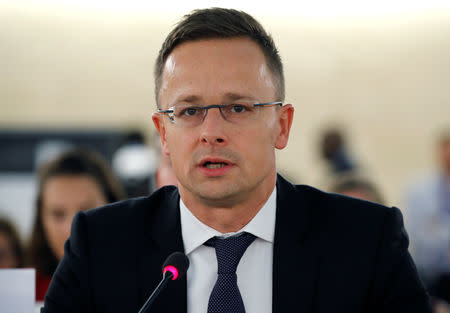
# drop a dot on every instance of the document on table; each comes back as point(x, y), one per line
point(17, 290)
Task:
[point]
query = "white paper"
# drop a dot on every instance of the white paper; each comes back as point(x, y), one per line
point(17, 290)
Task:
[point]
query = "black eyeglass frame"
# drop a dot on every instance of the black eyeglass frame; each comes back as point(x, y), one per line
point(217, 106)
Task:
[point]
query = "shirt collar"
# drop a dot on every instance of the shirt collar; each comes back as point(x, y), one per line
point(195, 233)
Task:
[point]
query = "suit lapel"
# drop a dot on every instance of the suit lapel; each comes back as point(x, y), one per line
point(161, 236)
point(295, 259)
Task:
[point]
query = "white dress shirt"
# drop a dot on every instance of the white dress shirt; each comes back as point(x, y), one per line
point(254, 272)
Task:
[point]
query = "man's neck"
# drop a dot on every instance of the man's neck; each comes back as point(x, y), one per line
point(226, 219)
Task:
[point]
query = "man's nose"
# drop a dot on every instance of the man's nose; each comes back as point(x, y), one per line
point(213, 128)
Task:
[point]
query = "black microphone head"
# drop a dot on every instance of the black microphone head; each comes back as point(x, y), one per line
point(177, 263)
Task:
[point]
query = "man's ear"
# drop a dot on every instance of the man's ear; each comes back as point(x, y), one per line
point(285, 118)
point(161, 128)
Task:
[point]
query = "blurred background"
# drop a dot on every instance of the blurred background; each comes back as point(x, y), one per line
point(81, 72)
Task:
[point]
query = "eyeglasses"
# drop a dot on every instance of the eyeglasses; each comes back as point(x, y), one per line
point(187, 115)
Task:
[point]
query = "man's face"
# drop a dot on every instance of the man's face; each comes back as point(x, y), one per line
point(217, 162)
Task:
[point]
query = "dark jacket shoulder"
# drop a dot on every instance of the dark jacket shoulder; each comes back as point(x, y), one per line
point(325, 208)
point(127, 212)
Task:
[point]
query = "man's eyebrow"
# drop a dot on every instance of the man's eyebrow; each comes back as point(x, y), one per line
point(189, 99)
point(236, 96)
point(227, 97)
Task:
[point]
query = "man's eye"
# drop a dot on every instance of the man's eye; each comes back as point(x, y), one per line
point(186, 112)
point(239, 108)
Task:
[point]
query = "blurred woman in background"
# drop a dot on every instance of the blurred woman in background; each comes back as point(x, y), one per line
point(11, 251)
point(354, 185)
point(76, 180)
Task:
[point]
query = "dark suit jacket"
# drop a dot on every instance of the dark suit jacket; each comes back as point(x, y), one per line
point(331, 254)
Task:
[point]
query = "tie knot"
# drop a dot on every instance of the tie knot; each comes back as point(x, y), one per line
point(230, 250)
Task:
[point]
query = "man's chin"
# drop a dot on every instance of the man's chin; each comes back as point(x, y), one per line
point(215, 192)
point(219, 203)
point(219, 196)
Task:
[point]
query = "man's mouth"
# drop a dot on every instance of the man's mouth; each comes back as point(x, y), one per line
point(214, 165)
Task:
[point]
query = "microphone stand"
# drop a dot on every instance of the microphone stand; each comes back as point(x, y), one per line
point(155, 293)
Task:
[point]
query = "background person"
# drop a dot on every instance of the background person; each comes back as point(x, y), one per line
point(334, 150)
point(75, 181)
point(11, 250)
point(428, 205)
point(358, 187)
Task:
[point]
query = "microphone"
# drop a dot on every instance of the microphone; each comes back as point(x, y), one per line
point(174, 267)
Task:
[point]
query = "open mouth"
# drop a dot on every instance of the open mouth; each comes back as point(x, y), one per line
point(214, 165)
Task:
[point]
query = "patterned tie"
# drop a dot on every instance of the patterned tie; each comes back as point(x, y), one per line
point(225, 296)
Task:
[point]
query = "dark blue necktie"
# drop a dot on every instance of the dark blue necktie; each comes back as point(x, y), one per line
point(225, 296)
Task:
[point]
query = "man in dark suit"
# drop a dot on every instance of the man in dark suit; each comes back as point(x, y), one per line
point(279, 247)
